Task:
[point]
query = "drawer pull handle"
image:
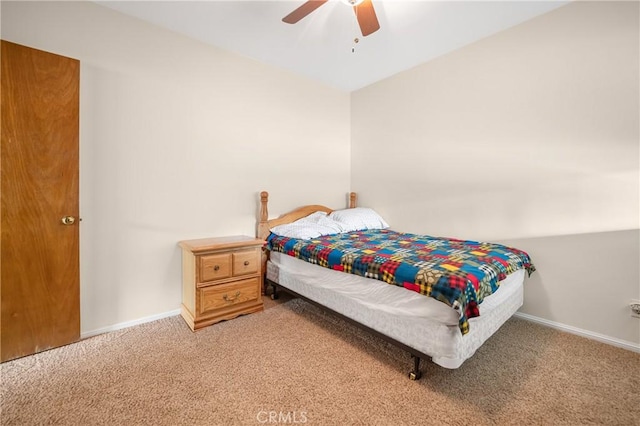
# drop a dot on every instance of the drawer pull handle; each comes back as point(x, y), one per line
point(246, 263)
point(216, 268)
point(231, 299)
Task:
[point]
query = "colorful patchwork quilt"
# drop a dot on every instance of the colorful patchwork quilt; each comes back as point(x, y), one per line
point(457, 272)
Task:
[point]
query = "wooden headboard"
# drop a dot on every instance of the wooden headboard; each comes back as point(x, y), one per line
point(265, 224)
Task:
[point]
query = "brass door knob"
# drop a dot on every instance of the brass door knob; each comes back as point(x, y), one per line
point(68, 220)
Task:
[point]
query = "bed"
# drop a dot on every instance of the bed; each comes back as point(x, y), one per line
point(436, 311)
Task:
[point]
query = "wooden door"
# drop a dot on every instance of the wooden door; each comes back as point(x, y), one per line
point(39, 265)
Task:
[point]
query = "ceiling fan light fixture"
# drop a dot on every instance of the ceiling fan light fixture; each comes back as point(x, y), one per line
point(352, 2)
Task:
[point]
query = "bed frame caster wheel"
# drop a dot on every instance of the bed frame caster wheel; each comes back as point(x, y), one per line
point(415, 374)
point(274, 292)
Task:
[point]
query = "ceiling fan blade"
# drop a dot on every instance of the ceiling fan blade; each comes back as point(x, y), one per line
point(303, 11)
point(367, 18)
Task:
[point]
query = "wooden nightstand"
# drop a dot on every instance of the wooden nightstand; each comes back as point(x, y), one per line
point(221, 279)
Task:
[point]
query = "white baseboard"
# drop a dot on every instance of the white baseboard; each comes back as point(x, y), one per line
point(631, 346)
point(126, 324)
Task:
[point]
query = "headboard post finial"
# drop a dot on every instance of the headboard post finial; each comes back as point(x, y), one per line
point(263, 226)
point(352, 200)
point(264, 212)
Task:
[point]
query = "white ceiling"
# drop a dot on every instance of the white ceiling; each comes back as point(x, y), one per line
point(320, 46)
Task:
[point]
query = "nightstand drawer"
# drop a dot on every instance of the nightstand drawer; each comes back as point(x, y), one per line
point(216, 297)
point(215, 267)
point(246, 262)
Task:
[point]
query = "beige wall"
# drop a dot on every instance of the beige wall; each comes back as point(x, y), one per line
point(177, 139)
point(592, 293)
point(528, 136)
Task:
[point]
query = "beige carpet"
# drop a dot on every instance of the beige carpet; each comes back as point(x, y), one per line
point(301, 366)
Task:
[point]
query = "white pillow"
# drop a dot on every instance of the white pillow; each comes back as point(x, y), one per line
point(315, 217)
point(312, 226)
point(358, 219)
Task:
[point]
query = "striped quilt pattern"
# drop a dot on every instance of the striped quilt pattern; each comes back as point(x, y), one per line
point(457, 272)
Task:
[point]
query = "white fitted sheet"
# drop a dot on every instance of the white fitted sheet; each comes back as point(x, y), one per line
point(420, 322)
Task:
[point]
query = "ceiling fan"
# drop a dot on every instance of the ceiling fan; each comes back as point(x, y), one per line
point(365, 14)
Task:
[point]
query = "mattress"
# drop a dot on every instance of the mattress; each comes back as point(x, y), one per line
point(420, 322)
